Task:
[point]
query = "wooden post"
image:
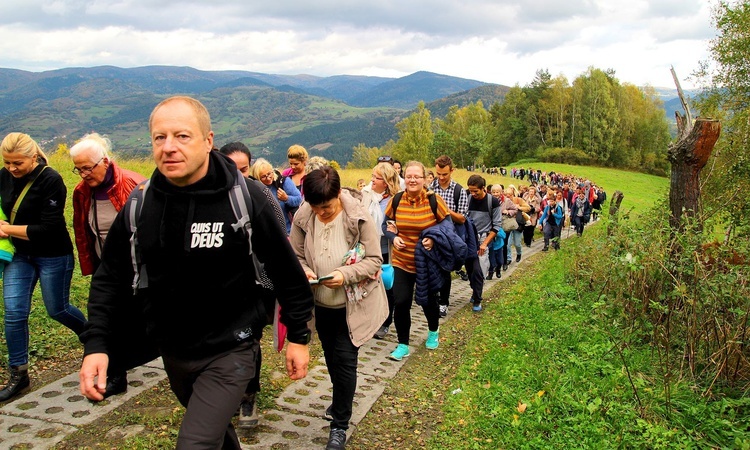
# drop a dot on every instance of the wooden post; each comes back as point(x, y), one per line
point(614, 210)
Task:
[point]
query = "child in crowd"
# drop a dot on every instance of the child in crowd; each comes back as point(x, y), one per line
point(497, 254)
point(361, 184)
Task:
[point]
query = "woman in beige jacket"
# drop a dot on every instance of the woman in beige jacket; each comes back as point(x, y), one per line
point(338, 245)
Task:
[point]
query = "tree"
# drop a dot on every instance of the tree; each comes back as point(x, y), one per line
point(727, 97)
point(595, 115)
point(509, 129)
point(364, 157)
point(415, 136)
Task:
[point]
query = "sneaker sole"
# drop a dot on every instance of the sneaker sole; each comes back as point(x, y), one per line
point(398, 359)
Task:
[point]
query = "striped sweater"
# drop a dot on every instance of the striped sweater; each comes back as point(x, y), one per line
point(412, 216)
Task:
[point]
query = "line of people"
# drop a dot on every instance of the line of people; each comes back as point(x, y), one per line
point(140, 306)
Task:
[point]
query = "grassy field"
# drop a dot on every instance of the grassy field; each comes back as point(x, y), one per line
point(537, 369)
point(640, 190)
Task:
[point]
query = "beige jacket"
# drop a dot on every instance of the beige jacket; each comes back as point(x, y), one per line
point(363, 317)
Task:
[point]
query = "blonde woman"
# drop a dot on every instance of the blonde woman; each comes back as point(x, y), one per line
point(33, 197)
point(384, 184)
point(535, 202)
point(281, 187)
point(297, 157)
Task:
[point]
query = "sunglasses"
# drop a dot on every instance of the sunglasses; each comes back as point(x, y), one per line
point(385, 159)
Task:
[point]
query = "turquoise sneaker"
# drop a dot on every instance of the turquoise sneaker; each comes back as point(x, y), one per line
point(432, 340)
point(401, 352)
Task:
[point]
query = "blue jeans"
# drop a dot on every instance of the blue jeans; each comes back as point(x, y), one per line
point(19, 281)
point(515, 239)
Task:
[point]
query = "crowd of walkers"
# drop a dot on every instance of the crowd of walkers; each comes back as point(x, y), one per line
point(263, 247)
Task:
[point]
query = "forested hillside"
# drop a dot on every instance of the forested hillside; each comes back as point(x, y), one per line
point(595, 120)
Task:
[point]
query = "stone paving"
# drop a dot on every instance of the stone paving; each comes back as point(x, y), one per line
point(42, 418)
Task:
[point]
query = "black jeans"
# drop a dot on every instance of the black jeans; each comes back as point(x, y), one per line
point(341, 360)
point(476, 279)
point(403, 289)
point(391, 298)
point(445, 291)
point(211, 389)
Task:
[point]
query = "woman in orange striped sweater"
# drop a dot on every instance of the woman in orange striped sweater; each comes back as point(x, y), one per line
point(413, 215)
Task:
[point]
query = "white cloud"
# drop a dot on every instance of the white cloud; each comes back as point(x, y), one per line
point(499, 41)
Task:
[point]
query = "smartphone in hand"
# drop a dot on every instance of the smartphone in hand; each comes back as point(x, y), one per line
point(327, 277)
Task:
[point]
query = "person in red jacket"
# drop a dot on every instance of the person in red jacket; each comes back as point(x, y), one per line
point(97, 198)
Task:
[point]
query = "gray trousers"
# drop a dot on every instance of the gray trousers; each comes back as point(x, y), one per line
point(211, 389)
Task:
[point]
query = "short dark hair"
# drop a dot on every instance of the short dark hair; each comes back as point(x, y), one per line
point(236, 147)
point(321, 185)
point(444, 161)
point(477, 181)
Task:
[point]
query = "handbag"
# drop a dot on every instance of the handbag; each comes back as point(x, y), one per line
point(520, 218)
point(510, 224)
point(387, 275)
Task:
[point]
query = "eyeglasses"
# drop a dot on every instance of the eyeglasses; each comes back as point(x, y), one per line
point(84, 171)
point(375, 177)
point(268, 175)
point(385, 159)
point(413, 178)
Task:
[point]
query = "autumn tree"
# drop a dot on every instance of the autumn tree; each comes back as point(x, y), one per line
point(415, 136)
point(726, 82)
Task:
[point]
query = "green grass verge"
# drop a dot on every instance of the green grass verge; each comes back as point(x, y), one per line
point(542, 371)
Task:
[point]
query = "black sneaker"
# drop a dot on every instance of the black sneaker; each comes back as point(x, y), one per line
point(489, 275)
point(328, 415)
point(336, 439)
point(505, 266)
point(382, 331)
point(464, 276)
point(116, 384)
point(248, 412)
point(518, 258)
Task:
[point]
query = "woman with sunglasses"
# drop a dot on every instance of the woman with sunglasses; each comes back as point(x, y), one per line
point(281, 187)
point(33, 198)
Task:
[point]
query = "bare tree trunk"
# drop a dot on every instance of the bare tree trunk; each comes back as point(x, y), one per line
point(688, 156)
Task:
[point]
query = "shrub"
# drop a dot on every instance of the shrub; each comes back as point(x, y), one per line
point(565, 156)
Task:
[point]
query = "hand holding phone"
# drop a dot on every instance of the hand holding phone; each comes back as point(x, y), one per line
point(327, 277)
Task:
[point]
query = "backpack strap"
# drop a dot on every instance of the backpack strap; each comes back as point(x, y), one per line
point(26, 188)
point(135, 204)
point(431, 198)
point(239, 197)
point(489, 207)
point(433, 204)
point(396, 201)
point(457, 196)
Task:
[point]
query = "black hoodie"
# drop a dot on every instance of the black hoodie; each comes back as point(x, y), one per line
point(202, 297)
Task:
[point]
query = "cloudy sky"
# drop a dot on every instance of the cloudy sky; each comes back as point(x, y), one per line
point(497, 41)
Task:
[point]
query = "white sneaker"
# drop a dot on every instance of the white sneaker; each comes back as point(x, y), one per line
point(443, 310)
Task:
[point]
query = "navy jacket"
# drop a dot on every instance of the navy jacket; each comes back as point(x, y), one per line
point(447, 250)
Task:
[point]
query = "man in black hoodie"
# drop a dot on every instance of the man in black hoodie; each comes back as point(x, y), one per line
point(202, 308)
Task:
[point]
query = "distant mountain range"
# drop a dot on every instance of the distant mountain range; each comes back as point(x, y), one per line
point(268, 112)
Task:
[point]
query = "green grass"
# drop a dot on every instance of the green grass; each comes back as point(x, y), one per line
point(544, 371)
